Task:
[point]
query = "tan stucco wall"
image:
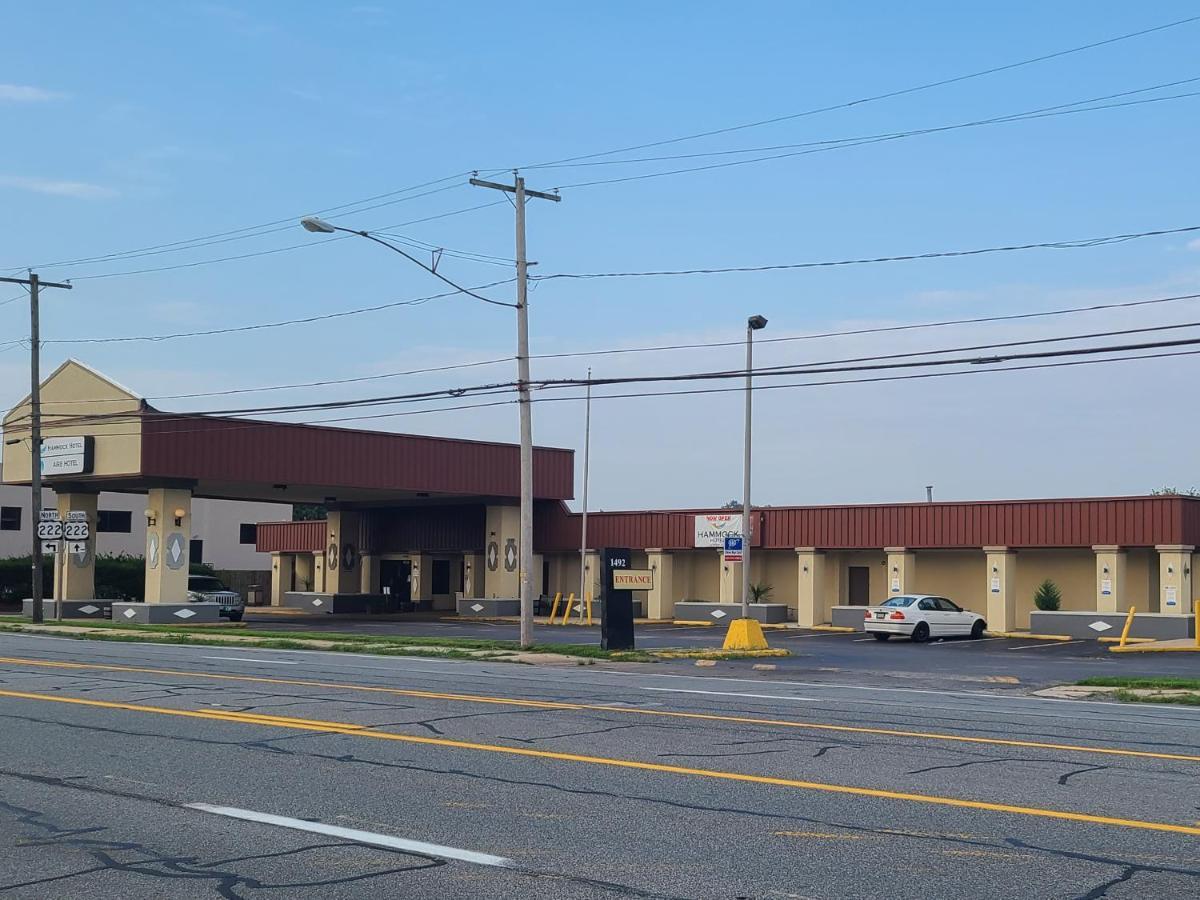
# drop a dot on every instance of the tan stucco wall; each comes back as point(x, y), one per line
point(960, 575)
point(871, 559)
point(1074, 571)
point(779, 569)
point(76, 390)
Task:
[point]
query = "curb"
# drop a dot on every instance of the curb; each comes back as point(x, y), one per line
point(1029, 637)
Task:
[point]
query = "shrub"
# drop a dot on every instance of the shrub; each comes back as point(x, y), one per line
point(760, 592)
point(1047, 598)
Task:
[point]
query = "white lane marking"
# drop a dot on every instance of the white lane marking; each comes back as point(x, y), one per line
point(822, 634)
point(942, 642)
point(1042, 644)
point(860, 640)
point(738, 694)
point(370, 838)
point(250, 659)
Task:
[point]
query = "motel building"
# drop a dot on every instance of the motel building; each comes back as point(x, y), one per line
point(427, 524)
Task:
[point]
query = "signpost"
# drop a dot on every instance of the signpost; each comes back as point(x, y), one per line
point(53, 532)
point(616, 616)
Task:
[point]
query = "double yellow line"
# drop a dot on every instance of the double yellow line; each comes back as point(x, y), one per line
point(366, 731)
point(623, 710)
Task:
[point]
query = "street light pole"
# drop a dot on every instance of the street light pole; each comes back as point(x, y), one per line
point(35, 437)
point(753, 324)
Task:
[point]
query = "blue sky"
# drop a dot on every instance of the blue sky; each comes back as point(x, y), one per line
point(141, 124)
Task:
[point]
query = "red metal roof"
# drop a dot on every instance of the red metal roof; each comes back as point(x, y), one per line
point(290, 537)
point(240, 452)
point(1124, 521)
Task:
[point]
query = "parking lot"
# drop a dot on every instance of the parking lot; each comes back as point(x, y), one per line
point(992, 663)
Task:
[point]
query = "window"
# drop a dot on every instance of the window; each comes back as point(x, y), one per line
point(899, 601)
point(247, 534)
point(10, 518)
point(928, 604)
point(196, 551)
point(947, 605)
point(114, 520)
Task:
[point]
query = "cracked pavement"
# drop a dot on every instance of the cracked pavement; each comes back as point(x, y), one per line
point(94, 795)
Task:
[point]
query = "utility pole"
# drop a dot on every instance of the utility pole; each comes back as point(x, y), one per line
point(517, 188)
point(753, 324)
point(35, 433)
point(587, 452)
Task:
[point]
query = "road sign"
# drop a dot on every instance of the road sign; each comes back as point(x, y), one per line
point(48, 515)
point(76, 530)
point(733, 548)
point(78, 548)
point(50, 530)
point(49, 546)
point(632, 579)
point(76, 515)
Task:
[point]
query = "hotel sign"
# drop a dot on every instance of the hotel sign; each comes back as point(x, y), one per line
point(711, 530)
point(632, 579)
point(68, 455)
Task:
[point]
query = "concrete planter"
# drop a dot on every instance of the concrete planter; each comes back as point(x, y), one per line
point(360, 604)
point(696, 611)
point(72, 609)
point(166, 613)
point(847, 617)
point(488, 607)
point(1160, 626)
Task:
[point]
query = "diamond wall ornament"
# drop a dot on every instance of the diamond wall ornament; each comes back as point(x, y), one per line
point(1100, 626)
point(129, 614)
point(477, 607)
point(318, 602)
point(89, 609)
point(719, 614)
point(176, 551)
point(184, 614)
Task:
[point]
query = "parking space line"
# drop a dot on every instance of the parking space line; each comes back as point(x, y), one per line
point(947, 643)
point(1042, 644)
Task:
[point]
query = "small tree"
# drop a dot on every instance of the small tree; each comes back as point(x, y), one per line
point(1048, 597)
point(760, 592)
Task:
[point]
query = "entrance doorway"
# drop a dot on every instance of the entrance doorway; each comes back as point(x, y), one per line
point(859, 583)
point(395, 579)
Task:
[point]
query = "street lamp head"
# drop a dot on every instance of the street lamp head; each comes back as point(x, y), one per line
point(755, 323)
point(317, 226)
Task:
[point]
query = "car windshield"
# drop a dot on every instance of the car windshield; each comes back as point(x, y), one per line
point(899, 601)
point(204, 583)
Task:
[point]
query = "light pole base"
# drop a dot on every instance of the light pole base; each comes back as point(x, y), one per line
point(745, 634)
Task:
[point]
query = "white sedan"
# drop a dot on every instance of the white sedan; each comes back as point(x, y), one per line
point(920, 617)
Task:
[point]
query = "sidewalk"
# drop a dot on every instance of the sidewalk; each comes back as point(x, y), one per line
point(1180, 645)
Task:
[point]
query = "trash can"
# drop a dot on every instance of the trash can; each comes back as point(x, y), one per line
point(254, 595)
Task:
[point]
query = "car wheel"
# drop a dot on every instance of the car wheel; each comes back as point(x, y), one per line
point(881, 636)
point(977, 629)
point(235, 617)
point(920, 634)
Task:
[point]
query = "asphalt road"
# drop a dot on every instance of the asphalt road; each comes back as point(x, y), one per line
point(134, 770)
point(1023, 663)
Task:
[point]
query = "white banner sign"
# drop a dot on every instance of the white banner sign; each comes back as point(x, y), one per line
point(712, 529)
point(67, 455)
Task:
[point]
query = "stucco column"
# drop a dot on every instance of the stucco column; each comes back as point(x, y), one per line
point(76, 578)
point(660, 602)
point(283, 576)
point(731, 580)
point(812, 598)
point(168, 532)
point(422, 578)
point(1175, 578)
point(474, 567)
point(343, 561)
point(368, 574)
point(318, 570)
point(591, 575)
point(502, 552)
point(1110, 580)
point(901, 570)
point(1001, 588)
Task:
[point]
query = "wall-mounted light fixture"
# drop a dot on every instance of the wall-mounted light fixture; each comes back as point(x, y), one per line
point(1170, 570)
point(806, 569)
point(1187, 570)
point(995, 569)
point(180, 512)
point(151, 518)
point(1105, 570)
point(895, 568)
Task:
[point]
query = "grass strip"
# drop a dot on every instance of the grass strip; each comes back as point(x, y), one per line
point(1192, 684)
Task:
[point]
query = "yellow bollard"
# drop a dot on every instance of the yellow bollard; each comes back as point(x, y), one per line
point(1128, 625)
point(567, 610)
point(589, 609)
point(554, 608)
point(1198, 624)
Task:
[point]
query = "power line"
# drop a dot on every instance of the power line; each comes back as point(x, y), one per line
point(938, 254)
point(873, 137)
point(877, 97)
point(874, 140)
point(883, 329)
point(280, 324)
